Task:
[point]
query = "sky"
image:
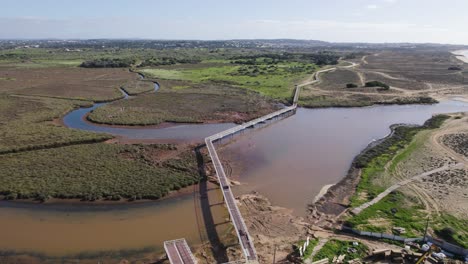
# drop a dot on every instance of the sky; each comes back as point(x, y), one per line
point(376, 21)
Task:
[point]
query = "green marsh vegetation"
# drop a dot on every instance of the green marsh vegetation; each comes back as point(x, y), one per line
point(275, 80)
point(26, 124)
point(96, 171)
point(270, 74)
point(41, 159)
point(135, 87)
point(187, 105)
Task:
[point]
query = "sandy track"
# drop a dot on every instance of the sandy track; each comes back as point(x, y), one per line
point(390, 189)
point(453, 127)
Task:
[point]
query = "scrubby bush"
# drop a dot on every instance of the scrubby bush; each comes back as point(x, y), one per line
point(455, 68)
point(108, 63)
point(351, 85)
point(377, 84)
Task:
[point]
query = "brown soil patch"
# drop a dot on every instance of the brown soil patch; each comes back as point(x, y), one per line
point(410, 75)
point(77, 83)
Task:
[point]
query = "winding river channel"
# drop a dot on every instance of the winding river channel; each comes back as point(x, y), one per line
point(289, 162)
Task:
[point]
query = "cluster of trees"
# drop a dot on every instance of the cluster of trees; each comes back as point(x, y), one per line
point(260, 59)
point(351, 85)
point(127, 62)
point(455, 68)
point(255, 70)
point(377, 84)
point(354, 55)
point(319, 58)
point(168, 61)
point(108, 63)
point(14, 56)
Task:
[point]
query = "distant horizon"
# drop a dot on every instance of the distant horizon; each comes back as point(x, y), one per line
point(336, 21)
point(240, 39)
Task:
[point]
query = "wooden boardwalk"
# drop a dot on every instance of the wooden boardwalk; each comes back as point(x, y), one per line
point(241, 229)
point(236, 217)
point(179, 252)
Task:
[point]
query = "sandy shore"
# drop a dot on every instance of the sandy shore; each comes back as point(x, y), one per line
point(322, 192)
point(461, 55)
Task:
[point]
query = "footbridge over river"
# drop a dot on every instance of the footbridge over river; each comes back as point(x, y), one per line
point(245, 240)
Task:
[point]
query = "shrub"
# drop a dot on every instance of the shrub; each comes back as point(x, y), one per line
point(377, 84)
point(351, 85)
point(108, 63)
point(455, 68)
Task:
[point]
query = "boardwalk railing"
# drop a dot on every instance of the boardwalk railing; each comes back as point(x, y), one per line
point(179, 252)
point(241, 229)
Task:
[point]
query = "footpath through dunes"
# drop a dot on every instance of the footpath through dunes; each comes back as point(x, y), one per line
point(392, 188)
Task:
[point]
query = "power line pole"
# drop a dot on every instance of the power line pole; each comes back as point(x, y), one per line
point(425, 231)
point(274, 255)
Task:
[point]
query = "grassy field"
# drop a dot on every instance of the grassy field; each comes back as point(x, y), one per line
point(394, 210)
point(96, 171)
point(205, 103)
point(308, 251)
point(275, 80)
point(335, 248)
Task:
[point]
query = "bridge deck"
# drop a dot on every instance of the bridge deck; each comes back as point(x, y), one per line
point(236, 217)
point(179, 252)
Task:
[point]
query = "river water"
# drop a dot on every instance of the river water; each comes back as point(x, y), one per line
point(288, 161)
point(69, 229)
point(463, 55)
point(187, 132)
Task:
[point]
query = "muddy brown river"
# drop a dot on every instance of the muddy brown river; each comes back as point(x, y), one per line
point(291, 160)
point(288, 161)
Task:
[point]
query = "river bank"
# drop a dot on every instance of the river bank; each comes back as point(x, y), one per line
point(306, 151)
point(348, 118)
point(461, 55)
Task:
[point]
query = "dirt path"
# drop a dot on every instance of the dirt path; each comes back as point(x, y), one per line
point(452, 127)
point(388, 76)
point(363, 59)
point(317, 248)
point(362, 78)
point(379, 197)
point(323, 234)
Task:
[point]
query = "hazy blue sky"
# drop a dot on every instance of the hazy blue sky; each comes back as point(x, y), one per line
point(330, 20)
